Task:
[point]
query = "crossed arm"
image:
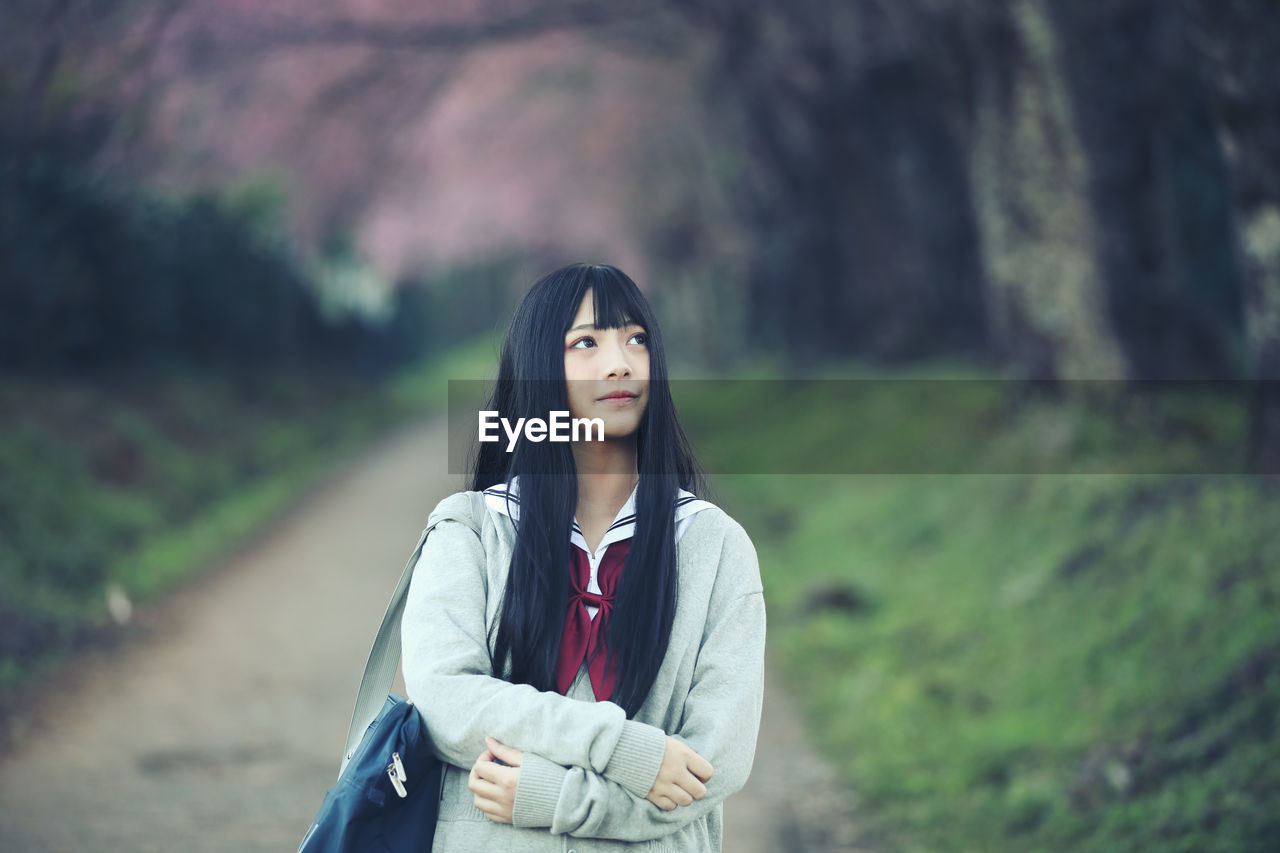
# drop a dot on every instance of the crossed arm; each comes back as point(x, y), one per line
point(579, 767)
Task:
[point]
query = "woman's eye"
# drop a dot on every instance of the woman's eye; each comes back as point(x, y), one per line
point(586, 342)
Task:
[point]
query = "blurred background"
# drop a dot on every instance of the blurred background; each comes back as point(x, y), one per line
point(241, 241)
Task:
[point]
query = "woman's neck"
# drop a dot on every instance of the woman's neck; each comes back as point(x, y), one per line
point(606, 476)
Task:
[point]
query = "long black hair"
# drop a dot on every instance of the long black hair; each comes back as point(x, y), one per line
point(531, 383)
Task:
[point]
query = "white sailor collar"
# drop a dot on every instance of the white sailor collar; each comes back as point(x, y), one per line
point(505, 498)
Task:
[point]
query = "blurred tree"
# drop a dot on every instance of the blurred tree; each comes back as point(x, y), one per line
point(97, 274)
point(854, 193)
point(848, 172)
point(1158, 187)
point(1029, 172)
point(1080, 189)
point(1236, 43)
point(73, 73)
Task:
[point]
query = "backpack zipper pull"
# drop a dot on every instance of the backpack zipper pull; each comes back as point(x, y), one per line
point(399, 765)
point(395, 781)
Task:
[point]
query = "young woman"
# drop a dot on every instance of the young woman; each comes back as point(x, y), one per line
point(590, 667)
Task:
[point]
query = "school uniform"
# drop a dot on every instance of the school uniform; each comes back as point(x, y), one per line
point(586, 767)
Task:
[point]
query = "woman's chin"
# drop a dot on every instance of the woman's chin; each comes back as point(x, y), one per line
point(614, 433)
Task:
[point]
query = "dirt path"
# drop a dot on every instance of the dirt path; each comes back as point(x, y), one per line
point(218, 726)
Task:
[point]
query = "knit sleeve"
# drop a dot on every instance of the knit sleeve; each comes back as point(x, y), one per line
point(446, 663)
point(721, 722)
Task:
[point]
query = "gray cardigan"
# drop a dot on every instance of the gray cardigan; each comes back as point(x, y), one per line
point(587, 768)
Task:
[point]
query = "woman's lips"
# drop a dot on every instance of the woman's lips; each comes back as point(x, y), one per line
point(621, 398)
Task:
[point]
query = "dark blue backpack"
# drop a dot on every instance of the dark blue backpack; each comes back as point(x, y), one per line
point(387, 795)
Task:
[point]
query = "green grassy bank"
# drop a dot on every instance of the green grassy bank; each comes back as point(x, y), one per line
point(1029, 662)
point(121, 486)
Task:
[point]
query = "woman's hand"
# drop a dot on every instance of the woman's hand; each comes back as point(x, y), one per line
point(493, 780)
point(681, 777)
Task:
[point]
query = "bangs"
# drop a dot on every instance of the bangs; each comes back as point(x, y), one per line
point(614, 298)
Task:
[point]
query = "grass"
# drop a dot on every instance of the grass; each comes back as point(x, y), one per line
point(1038, 661)
point(134, 483)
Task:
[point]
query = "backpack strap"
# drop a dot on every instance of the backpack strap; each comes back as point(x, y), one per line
point(380, 670)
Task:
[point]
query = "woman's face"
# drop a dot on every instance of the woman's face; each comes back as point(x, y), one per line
point(603, 362)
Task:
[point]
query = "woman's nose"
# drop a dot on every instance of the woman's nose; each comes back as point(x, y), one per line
point(618, 364)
